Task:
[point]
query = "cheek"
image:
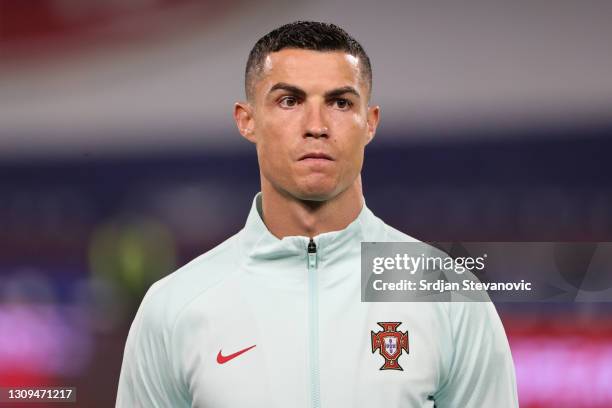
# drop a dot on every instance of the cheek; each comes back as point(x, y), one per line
point(360, 121)
point(354, 134)
point(275, 127)
point(353, 123)
point(270, 155)
point(274, 148)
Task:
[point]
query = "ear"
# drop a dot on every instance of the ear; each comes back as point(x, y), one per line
point(373, 119)
point(243, 115)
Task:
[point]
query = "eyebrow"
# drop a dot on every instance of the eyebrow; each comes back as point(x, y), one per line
point(334, 93)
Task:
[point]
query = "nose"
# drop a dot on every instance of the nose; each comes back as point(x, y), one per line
point(316, 124)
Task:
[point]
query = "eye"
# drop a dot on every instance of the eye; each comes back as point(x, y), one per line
point(342, 104)
point(288, 102)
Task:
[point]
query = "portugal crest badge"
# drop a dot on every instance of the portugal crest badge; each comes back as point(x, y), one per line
point(390, 342)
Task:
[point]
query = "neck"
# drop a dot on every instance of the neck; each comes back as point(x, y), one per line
point(285, 215)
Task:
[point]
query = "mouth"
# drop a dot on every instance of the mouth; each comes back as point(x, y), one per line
point(316, 156)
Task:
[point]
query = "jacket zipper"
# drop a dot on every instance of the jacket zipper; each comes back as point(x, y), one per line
point(313, 311)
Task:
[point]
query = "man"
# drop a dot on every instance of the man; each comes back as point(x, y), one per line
point(272, 317)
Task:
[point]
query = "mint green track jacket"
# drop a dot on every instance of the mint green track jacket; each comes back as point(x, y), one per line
point(265, 322)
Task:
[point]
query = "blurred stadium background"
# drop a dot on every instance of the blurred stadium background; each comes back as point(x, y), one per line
point(119, 161)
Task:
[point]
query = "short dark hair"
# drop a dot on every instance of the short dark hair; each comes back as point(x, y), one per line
point(306, 35)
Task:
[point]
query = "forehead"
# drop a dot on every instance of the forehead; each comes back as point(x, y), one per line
point(307, 68)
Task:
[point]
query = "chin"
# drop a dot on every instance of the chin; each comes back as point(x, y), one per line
point(318, 192)
point(315, 197)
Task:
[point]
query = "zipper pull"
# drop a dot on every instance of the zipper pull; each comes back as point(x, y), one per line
point(312, 247)
point(312, 254)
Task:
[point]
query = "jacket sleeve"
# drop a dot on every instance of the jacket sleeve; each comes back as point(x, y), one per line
point(146, 378)
point(481, 372)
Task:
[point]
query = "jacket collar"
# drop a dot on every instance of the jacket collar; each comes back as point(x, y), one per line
point(259, 243)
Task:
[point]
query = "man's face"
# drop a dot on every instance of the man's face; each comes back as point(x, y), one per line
point(311, 122)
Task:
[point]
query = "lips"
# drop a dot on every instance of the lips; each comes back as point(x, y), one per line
point(316, 155)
